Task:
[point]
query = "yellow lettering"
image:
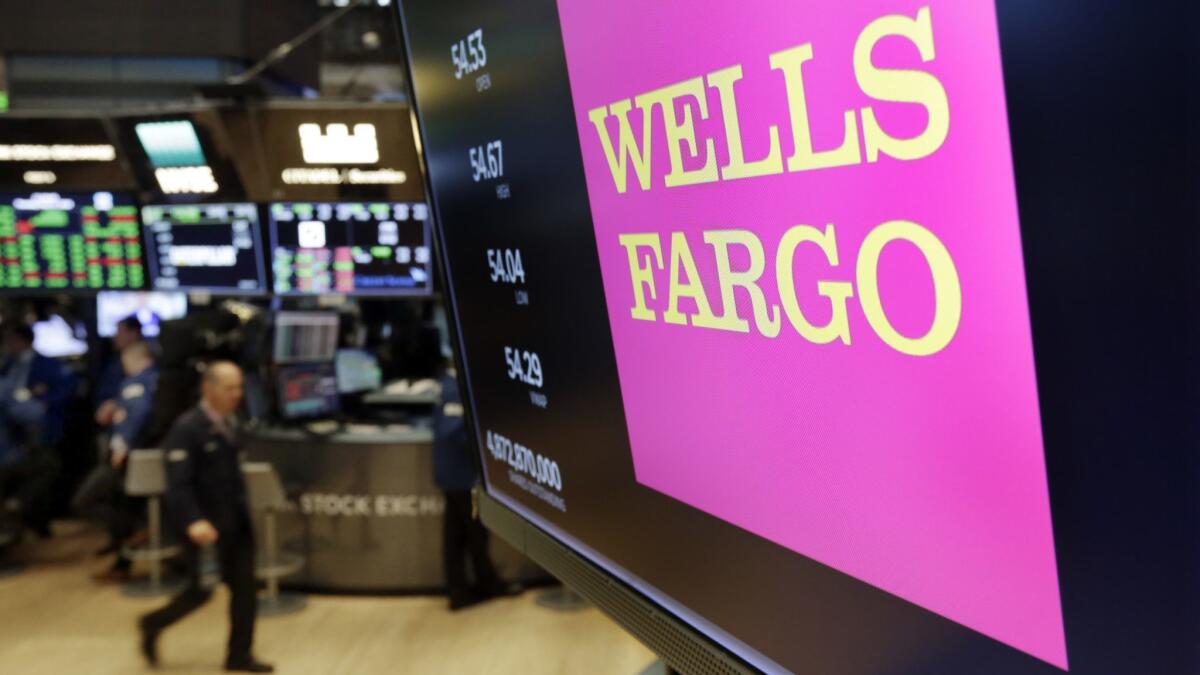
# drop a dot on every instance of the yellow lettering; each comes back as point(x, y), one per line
point(791, 63)
point(901, 86)
point(682, 131)
point(642, 276)
point(738, 167)
point(681, 260)
point(837, 291)
point(629, 150)
point(946, 287)
point(720, 240)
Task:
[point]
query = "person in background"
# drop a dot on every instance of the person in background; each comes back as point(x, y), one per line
point(206, 500)
point(108, 386)
point(103, 492)
point(463, 535)
point(34, 392)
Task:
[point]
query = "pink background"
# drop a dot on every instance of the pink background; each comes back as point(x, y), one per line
point(924, 477)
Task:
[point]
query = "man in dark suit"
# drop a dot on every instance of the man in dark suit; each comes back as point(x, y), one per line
point(206, 499)
point(463, 536)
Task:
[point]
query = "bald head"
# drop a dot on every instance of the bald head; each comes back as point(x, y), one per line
point(222, 387)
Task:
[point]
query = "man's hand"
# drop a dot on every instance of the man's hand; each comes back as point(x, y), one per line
point(104, 414)
point(202, 533)
point(117, 457)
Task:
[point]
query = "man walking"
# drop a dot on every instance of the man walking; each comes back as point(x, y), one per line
point(206, 499)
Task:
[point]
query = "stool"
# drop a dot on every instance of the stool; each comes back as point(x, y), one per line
point(265, 493)
point(146, 476)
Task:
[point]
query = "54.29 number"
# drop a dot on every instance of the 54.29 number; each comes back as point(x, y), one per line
point(524, 366)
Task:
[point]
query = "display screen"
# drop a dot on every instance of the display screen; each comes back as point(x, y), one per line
point(205, 247)
point(353, 249)
point(70, 241)
point(305, 336)
point(741, 296)
point(357, 371)
point(151, 309)
point(308, 391)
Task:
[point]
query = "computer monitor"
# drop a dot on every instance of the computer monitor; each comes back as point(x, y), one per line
point(57, 338)
point(151, 308)
point(748, 295)
point(215, 248)
point(307, 391)
point(363, 249)
point(357, 371)
point(302, 337)
point(51, 241)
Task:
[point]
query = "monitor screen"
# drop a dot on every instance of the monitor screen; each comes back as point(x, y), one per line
point(70, 242)
point(57, 338)
point(742, 302)
point(308, 391)
point(205, 247)
point(151, 308)
point(351, 248)
point(305, 336)
point(357, 371)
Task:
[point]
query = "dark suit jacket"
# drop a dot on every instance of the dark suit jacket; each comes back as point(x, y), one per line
point(204, 476)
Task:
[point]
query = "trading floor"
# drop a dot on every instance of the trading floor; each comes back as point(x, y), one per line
point(54, 620)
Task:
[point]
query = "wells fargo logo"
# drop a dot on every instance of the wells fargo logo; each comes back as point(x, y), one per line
point(648, 252)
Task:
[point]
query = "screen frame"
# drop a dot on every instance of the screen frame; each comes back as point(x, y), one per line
point(303, 361)
point(151, 250)
point(1027, 122)
point(84, 292)
point(333, 409)
point(427, 230)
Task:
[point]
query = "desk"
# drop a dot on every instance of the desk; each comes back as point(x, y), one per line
point(364, 512)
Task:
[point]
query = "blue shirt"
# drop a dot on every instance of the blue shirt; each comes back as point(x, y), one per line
point(34, 392)
point(108, 386)
point(135, 396)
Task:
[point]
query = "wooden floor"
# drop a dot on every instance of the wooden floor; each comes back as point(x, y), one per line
point(54, 620)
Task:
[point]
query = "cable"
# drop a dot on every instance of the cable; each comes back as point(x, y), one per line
point(282, 51)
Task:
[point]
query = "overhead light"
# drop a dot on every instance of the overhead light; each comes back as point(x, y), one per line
point(40, 177)
point(30, 152)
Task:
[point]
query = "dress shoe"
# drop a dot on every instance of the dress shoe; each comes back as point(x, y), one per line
point(248, 665)
point(502, 589)
point(116, 574)
point(149, 644)
point(461, 601)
